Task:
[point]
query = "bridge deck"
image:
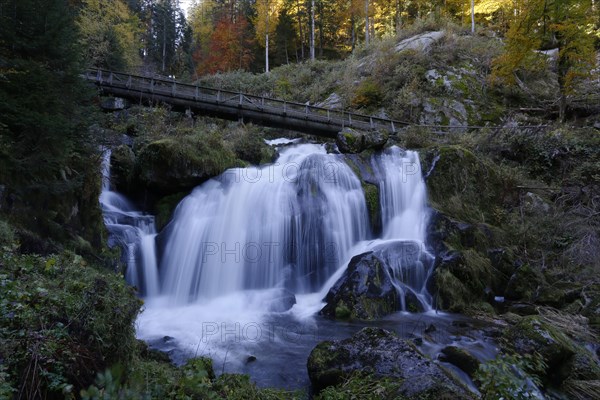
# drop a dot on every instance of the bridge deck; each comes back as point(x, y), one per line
point(235, 106)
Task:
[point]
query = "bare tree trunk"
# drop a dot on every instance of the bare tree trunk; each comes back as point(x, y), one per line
point(312, 30)
point(367, 22)
point(353, 37)
point(321, 39)
point(267, 40)
point(472, 16)
point(301, 30)
point(164, 46)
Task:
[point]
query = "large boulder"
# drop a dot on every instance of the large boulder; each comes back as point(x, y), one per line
point(353, 141)
point(421, 42)
point(175, 165)
point(376, 283)
point(384, 355)
point(460, 358)
point(465, 187)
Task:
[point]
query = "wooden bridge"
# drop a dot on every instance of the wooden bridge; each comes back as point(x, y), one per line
point(236, 106)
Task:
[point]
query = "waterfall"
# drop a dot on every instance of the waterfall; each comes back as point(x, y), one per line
point(133, 231)
point(403, 197)
point(293, 225)
point(288, 224)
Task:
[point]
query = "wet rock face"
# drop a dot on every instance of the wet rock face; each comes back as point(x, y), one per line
point(383, 354)
point(352, 141)
point(370, 286)
point(365, 291)
point(461, 358)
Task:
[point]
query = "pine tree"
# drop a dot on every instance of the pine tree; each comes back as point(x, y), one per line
point(44, 145)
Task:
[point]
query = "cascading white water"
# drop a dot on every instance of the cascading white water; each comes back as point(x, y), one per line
point(134, 231)
point(287, 224)
point(403, 197)
point(238, 241)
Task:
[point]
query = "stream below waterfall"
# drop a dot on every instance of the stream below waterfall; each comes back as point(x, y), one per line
point(241, 271)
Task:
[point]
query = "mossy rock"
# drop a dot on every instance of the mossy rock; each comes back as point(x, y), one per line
point(383, 355)
point(461, 358)
point(174, 165)
point(251, 147)
point(365, 291)
point(463, 186)
point(559, 294)
point(353, 141)
point(368, 289)
point(122, 165)
point(165, 208)
point(461, 280)
point(373, 206)
point(564, 358)
point(524, 283)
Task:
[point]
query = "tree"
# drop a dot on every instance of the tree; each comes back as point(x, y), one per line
point(44, 145)
point(229, 46)
point(109, 34)
point(561, 24)
point(265, 23)
point(285, 37)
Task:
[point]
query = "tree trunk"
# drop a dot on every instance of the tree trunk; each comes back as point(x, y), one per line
point(353, 37)
point(267, 53)
point(267, 41)
point(321, 29)
point(312, 30)
point(367, 22)
point(473, 16)
point(164, 46)
point(300, 30)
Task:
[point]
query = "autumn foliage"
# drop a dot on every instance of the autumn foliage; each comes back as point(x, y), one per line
point(229, 47)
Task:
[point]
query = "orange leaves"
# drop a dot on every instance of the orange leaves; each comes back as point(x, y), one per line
point(229, 47)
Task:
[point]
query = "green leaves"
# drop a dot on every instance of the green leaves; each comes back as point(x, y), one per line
point(511, 377)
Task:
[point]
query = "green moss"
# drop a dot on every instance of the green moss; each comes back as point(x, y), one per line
point(465, 187)
point(372, 200)
point(451, 293)
point(173, 165)
point(342, 311)
point(165, 208)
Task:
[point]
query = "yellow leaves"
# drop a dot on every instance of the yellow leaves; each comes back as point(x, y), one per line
point(265, 22)
point(96, 18)
point(488, 7)
point(558, 23)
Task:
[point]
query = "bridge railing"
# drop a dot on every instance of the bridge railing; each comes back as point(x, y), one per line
point(227, 98)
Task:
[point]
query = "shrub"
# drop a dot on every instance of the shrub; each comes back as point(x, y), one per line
point(368, 94)
point(62, 320)
point(510, 377)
